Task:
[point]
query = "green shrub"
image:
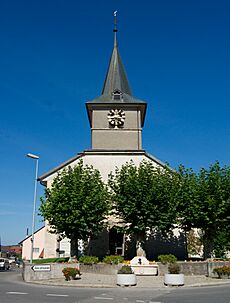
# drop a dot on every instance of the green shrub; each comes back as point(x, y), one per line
point(174, 268)
point(70, 272)
point(113, 259)
point(50, 260)
point(61, 260)
point(125, 269)
point(89, 260)
point(164, 259)
point(223, 270)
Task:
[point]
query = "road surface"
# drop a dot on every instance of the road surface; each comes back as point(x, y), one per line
point(13, 289)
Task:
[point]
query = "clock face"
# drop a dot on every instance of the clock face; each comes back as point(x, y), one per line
point(116, 118)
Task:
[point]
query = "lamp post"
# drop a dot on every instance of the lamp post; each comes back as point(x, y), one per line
point(35, 157)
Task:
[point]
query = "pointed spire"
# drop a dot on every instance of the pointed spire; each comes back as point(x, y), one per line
point(116, 78)
point(115, 28)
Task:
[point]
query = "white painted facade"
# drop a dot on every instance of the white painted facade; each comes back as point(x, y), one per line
point(39, 237)
point(105, 163)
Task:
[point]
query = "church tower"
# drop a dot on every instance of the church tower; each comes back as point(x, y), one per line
point(116, 117)
point(116, 120)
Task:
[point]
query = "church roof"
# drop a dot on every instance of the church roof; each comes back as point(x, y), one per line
point(116, 78)
point(108, 98)
point(116, 82)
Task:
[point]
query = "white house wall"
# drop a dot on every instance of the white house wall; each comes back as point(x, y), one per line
point(39, 241)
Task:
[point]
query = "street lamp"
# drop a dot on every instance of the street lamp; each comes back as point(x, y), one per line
point(35, 157)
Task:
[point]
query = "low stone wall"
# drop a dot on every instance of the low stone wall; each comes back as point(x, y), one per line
point(35, 272)
point(54, 270)
point(195, 268)
point(46, 271)
point(212, 265)
point(187, 268)
point(106, 269)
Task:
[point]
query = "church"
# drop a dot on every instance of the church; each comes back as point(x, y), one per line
point(116, 119)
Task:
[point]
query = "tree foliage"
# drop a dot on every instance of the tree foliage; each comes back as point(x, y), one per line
point(204, 202)
point(144, 197)
point(77, 204)
point(147, 198)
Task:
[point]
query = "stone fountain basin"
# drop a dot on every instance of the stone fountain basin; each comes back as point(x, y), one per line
point(145, 270)
point(141, 267)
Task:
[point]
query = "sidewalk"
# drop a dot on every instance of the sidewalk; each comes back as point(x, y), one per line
point(90, 280)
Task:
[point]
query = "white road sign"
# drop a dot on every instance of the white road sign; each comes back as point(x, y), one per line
point(41, 268)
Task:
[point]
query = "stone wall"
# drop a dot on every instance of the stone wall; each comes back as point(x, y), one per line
point(212, 265)
point(55, 272)
point(187, 268)
point(106, 269)
point(195, 268)
point(30, 274)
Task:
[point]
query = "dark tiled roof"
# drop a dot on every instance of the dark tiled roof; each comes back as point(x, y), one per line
point(116, 77)
point(107, 98)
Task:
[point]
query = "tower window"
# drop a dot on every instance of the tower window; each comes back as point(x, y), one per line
point(117, 94)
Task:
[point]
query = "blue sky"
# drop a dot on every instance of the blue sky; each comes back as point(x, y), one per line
point(53, 58)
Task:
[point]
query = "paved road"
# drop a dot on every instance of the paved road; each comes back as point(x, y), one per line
point(219, 294)
point(13, 289)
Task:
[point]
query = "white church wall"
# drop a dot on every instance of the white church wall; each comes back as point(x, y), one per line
point(108, 163)
point(105, 163)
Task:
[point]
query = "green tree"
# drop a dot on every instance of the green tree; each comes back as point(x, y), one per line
point(187, 198)
point(77, 204)
point(214, 193)
point(204, 202)
point(222, 242)
point(144, 198)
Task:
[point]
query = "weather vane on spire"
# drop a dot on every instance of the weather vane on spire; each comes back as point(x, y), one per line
point(115, 27)
point(115, 21)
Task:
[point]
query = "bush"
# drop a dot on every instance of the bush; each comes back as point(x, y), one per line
point(224, 270)
point(88, 260)
point(50, 260)
point(70, 272)
point(113, 259)
point(164, 259)
point(125, 269)
point(174, 268)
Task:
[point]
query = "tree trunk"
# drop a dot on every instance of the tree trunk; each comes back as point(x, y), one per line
point(186, 243)
point(208, 244)
point(74, 247)
point(89, 246)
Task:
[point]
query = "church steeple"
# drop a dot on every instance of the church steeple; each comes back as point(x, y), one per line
point(116, 78)
point(116, 117)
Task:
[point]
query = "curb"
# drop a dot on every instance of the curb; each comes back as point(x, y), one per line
point(210, 284)
point(52, 283)
point(49, 283)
